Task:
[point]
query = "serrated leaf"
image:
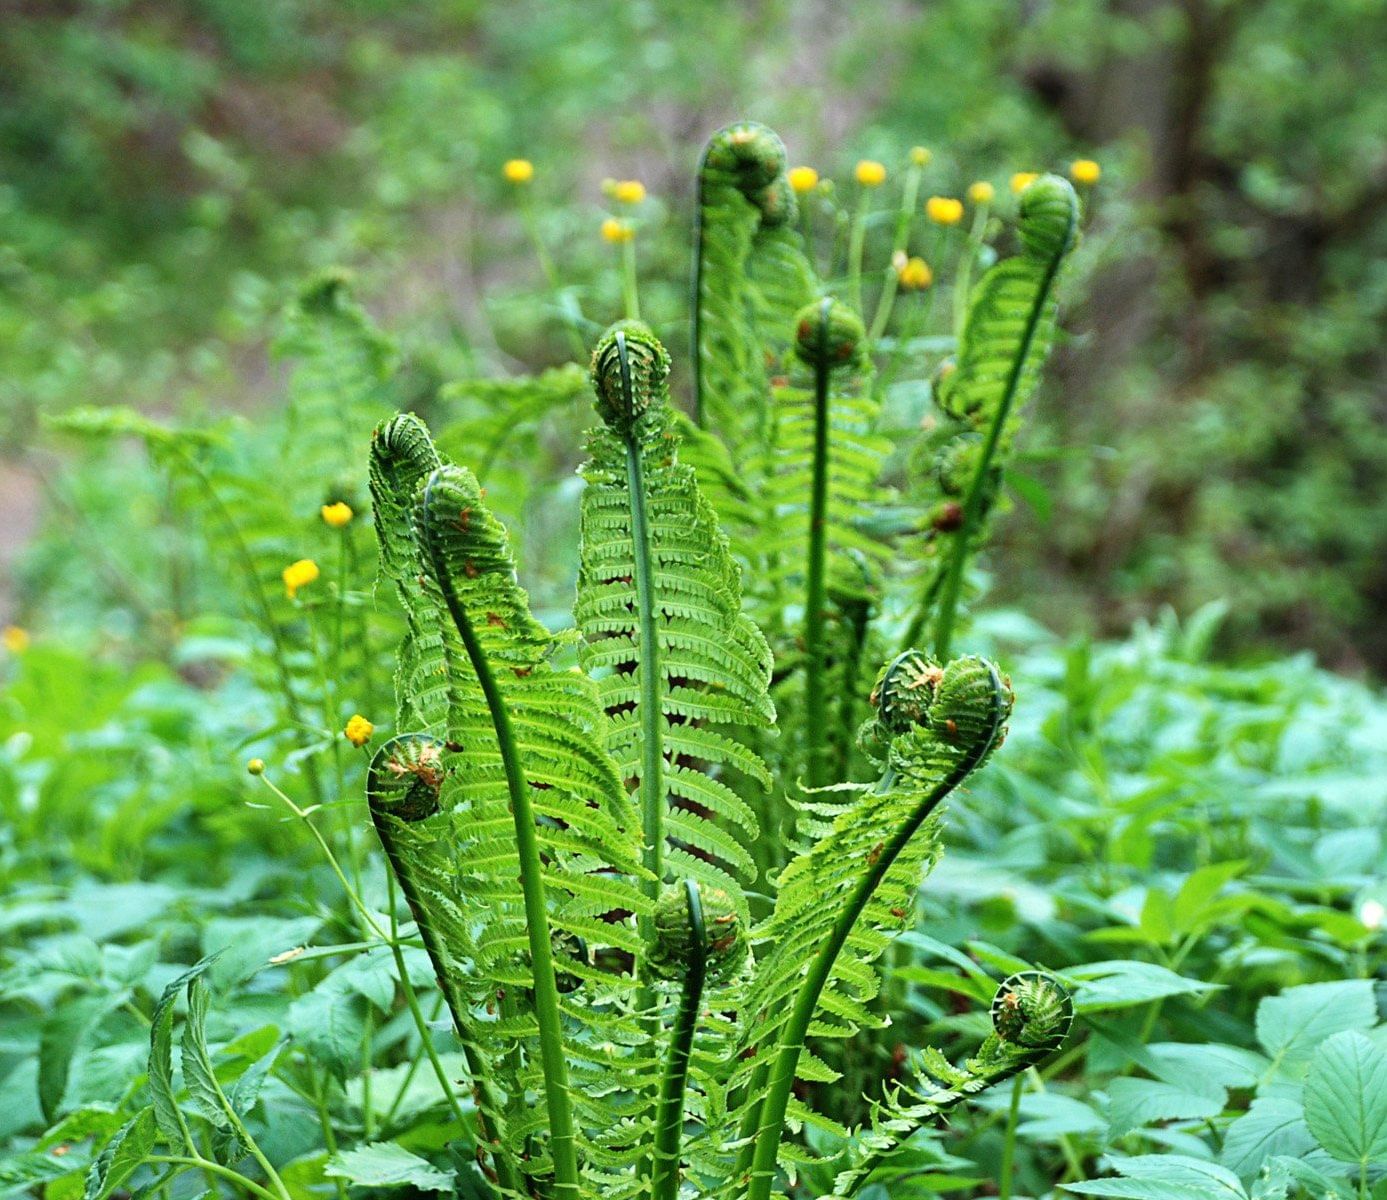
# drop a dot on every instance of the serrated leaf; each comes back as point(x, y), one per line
point(1273, 1125)
point(1121, 983)
point(1290, 1026)
point(122, 1156)
point(166, 1113)
point(384, 1164)
point(65, 1033)
point(1165, 1177)
point(198, 1075)
point(1346, 1099)
point(1133, 1103)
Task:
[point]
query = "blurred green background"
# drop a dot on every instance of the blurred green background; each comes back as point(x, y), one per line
point(170, 171)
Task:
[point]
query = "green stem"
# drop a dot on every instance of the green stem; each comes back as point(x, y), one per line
point(562, 1134)
point(771, 1120)
point(210, 1167)
point(909, 194)
point(1009, 1142)
point(629, 293)
point(814, 718)
point(856, 238)
point(696, 297)
point(973, 500)
point(963, 280)
point(551, 276)
point(669, 1117)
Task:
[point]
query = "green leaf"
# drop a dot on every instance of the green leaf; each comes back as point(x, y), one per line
point(161, 1058)
point(1290, 1026)
point(65, 1033)
point(1273, 1125)
point(1165, 1177)
point(384, 1164)
point(121, 1156)
point(1193, 906)
point(198, 1074)
point(1133, 1103)
point(1121, 983)
point(1346, 1099)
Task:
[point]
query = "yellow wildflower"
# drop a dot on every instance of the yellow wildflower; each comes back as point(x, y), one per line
point(982, 192)
point(617, 231)
point(803, 179)
point(944, 210)
point(518, 170)
point(870, 174)
point(297, 575)
point(1022, 180)
point(359, 730)
point(629, 191)
point(15, 639)
point(914, 274)
point(920, 156)
point(337, 514)
point(256, 766)
point(1085, 171)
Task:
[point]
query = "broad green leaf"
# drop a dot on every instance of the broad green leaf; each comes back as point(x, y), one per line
point(161, 1057)
point(1121, 983)
point(1194, 906)
point(1290, 1026)
point(65, 1034)
point(1273, 1125)
point(1133, 1103)
point(122, 1155)
point(1165, 1177)
point(384, 1164)
point(198, 1074)
point(1346, 1098)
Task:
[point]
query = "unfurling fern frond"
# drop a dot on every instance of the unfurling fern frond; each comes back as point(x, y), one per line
point(840, 902)
point(541, 841)
point(750, 275)
point(682, 671)
point(1031, 1016)
point(1004, 344)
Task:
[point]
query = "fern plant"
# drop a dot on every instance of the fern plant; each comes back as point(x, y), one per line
point(573, 843)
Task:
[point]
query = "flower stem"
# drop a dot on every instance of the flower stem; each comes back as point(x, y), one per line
point(909, 194)
point(814, 699)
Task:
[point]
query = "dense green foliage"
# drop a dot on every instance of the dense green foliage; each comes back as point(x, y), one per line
point(437, 954)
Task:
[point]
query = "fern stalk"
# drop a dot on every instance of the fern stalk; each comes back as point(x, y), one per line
point(814, 599)
point(770, 1119)
point(973, 499)
point(563, 1137)
point(909, 194)
point(669, 1115)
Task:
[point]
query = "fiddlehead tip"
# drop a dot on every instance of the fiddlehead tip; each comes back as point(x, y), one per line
point(1049, 217)
point(1032, 1010)
point(629, 370)
point(406, 777)
point(777, 202)
point(751, 153)
point(963, 704)
point(724, 937)
point(828, 333)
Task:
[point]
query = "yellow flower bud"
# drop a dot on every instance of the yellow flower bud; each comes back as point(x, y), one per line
point(616, 232)
point(256, 766)
point(15, 639)
point(297, 575)
point(920, 156)
point(944, 210)
point(337, 514)
point(803, 179)
point(870, 174)
point(629, 191)
point(982, 192)
point(1022, 180)
point(359, 730)
point(914, 274)
point(518, 170)
point(1085, 171)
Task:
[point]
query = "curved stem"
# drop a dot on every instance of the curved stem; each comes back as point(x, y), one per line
point(562, 1134)
point(973, 501)
point(814, 719)
point(669, 1116)
point(771, 1122)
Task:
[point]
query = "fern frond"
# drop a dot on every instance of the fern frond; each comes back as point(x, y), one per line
point(840, 902)
point(681, 669)
point(542, 842)
point(1007, 337)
